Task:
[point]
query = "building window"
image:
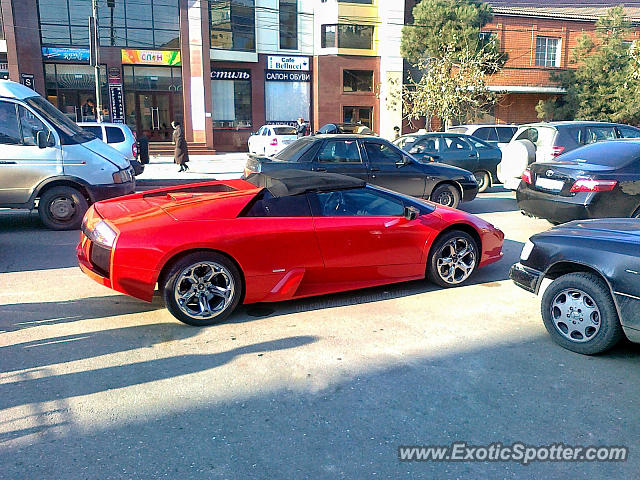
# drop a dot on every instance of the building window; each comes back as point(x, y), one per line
point(123, 23)
point(287, 101)
point(357, 81)
point(347, 36)
point(547, 52)
point(289, 24)
point(233, 25)
point(231, 103)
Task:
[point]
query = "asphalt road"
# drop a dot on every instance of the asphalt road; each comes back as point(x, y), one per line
point(96, 385)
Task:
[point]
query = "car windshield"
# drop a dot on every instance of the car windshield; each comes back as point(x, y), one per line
point(284, 130)
point(291, 151)
point(607, 154)
point(69, 132)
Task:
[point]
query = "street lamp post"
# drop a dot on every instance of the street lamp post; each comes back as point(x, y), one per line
point(94, 40)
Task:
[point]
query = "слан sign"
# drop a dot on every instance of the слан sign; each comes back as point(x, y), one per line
point(287, 76)
point(279, 62)
point(230, 74)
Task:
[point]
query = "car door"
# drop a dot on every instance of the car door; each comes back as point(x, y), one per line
point(23, 165)
point(456, 151)
point(390, 168)
point(340, 155)
point(364, 237)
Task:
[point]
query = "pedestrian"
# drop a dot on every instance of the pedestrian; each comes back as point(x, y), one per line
point(181, 155)
point(88, 111)
point(301, 129)
point(143, 148)
point(396, 132)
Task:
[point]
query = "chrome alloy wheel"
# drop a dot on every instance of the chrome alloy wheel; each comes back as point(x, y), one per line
point(204, 290)
point(575, 315)
point(445, 198)
point(456, 261)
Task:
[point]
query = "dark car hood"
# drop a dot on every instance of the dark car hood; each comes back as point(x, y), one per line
point(626, 229)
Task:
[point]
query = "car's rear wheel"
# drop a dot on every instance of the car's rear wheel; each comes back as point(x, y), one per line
point(579, 314)
point(454, 257)
point(446, 195)
point(62, 208)
point(202, 288)
point(483, 179)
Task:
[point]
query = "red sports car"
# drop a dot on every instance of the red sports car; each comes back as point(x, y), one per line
point(289, 234)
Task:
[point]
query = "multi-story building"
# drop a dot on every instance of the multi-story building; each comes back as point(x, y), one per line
point(539, 38)
point(223, 67)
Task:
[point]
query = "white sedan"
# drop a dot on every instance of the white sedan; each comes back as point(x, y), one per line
point(270, 139)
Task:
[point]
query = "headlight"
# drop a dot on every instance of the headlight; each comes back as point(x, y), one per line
point(98, 231)
point(123, 176)
point(526, 250)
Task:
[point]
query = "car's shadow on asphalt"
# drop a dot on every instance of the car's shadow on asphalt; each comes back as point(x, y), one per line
point(25, 315)
point(493, 200)
point(26, 245)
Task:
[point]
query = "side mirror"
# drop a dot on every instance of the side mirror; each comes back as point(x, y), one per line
point(403, 162)
point(411, 213)
point(42, 139)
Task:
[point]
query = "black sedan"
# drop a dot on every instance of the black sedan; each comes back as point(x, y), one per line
point(344, 129)
point(589, 275)
point(596, 181)
point(456, 149)
point(376, 161)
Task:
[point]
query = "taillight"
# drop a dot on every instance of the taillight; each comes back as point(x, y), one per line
point(526, 176)
point(134, 150)
point(556, 151)
point(590, 185)
point(274, 142)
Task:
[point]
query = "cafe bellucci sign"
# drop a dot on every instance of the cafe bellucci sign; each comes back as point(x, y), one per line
point(280, 62)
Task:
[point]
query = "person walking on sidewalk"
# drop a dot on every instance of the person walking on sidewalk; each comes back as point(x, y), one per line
point(301, 128)
point(181, 155)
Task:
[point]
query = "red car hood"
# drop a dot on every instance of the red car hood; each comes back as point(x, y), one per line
point(188, 203)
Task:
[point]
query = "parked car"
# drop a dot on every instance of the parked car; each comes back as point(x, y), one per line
point(344, 128)
point(404, 142)
point(543, 142)
point(118, 136)
point(588, 273)
point(320, 233)
point(270, 139)
point(596, 181)
point(375, 160)
point(459, 150)
point(48, 161)
point(494, 134)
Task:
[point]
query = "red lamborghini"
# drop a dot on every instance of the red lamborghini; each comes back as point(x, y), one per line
point(289, 234)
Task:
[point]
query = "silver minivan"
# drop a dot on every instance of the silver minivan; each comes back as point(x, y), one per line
point(49, 163)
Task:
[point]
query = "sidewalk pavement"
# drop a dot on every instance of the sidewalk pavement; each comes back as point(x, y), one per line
point(161, 171)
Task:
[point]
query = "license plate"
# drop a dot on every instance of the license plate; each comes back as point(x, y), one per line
point(548, 184)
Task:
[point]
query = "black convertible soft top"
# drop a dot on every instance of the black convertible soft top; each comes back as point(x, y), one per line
point(282, 183)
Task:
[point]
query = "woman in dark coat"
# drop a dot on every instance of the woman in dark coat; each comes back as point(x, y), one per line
point(181, 155)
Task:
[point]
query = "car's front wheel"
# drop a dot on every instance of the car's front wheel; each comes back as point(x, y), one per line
point(579, 314)
point(483, 179)
point(446, 195)
point(62, 208)
point(202, 288)
point(454, 257)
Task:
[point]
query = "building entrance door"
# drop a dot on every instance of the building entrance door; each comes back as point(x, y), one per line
point(155, 113)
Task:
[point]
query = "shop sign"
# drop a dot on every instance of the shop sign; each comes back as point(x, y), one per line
point(117, 103)
point(230, 74)
point(287, 76)
point(66, 54)
point(279, 62)
point(114, 75)
point(27, 79)
point(151, 57)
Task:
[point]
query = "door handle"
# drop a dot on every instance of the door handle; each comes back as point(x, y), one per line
point(7, 162)
point(375, 169)
point(319, 169)
point(472, 155)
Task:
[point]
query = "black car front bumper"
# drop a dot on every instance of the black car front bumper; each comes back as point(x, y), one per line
point(469, 190)
point(103, 192)
point(525, 277)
